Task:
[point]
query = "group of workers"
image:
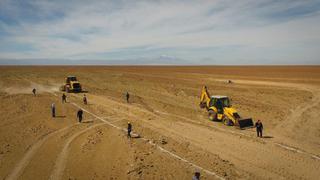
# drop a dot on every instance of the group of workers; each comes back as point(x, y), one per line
point(64, 100)
point(80, 111)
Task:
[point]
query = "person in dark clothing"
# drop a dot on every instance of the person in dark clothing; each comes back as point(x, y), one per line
point(34, 91)
point(129, 129)
point(85, 99)
point(79, 115)
point(196, 176)
point(53, 110)
point(259, 128)
point(127, 97)
point(64, 98)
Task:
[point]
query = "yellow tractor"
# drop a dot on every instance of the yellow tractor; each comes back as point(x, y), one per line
point(220, 109)
point(71, 85)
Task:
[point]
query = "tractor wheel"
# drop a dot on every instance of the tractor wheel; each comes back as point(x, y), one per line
point(212, 115)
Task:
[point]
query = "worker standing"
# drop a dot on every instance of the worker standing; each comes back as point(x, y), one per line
point(259, 128)
point(85, 99)
point(79, 115)
point(127, 97)
point(129, 129)
point(53, 110)
point(34, 91)
point(196, 175)
point(64, 98)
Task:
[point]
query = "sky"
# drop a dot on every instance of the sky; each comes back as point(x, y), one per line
point(216, 32)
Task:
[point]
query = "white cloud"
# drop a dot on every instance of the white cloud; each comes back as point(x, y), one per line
point(101, 27)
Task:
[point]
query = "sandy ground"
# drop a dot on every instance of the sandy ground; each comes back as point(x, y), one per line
point(175, 136)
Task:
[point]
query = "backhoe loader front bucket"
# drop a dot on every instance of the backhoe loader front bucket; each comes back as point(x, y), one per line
point(245, 123)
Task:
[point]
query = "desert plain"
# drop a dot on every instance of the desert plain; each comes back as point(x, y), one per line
point(172, 136)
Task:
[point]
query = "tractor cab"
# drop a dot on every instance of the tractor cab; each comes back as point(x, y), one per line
point(70, 79)
point(71, 85)
point(219, 102)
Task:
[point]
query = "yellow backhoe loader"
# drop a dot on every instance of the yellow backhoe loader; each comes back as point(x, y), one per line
point(71, 85)
point(220, 109)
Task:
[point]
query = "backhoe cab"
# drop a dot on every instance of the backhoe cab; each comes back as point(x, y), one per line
point(220, 109)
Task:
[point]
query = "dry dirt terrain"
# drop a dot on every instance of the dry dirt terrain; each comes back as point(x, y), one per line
point(172, 135)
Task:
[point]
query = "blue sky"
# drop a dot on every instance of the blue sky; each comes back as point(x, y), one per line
point(162, 31)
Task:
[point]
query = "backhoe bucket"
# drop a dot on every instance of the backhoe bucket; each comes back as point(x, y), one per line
point(244, 123)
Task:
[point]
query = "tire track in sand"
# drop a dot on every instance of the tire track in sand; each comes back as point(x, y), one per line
point(23, 163)
point(61, 160)
point(33, 149)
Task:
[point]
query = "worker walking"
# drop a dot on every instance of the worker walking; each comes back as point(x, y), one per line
point(53, 110)
point(34, 91)
point(259, 128)
point(129, 129)
point(79, 115)
point(85, 99)
point(64, 98)
point(127, 97)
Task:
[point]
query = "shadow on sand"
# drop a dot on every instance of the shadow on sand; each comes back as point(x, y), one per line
point(267, 137)
point(87, 122)
point(60, 116)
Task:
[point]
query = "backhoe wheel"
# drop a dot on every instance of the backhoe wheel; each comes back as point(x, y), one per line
point(212, 115)
point(62, 88)
point(202, 105)
point(227, 122)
